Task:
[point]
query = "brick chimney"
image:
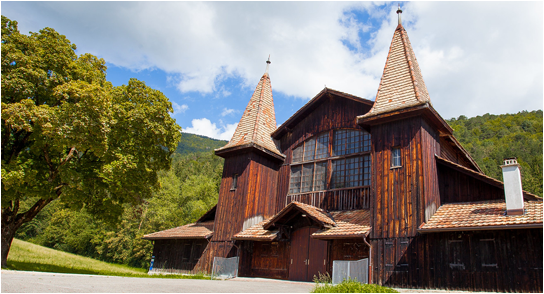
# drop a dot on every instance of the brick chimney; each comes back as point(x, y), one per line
point(512, 187)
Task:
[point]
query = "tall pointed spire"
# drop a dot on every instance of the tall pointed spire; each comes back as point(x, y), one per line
point(258, 120)
point(399, 12)
point(402, 84)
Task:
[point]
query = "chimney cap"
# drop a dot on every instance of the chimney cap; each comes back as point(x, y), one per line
point(510, 161)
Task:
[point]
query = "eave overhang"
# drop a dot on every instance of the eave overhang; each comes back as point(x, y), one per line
point(247, 148)
point(424, 109)
point(481, 228)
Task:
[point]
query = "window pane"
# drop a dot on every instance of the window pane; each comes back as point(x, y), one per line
point(297, 153)
point(322, 149)
point(354, 176)
point(307, 177)
point(350, 141)
point(366, 170)
point(309, 150)
point(395, 157)
point(354, 140)
point(366, 141)
point(294, 187)
point(338, 173)
point(339, 143)
point(320, 181)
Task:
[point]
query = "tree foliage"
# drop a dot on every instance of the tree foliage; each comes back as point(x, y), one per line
point(492, 138)
point(68, 133)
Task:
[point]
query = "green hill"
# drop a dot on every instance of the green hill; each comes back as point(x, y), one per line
point(31, 257)
point(191, 143)
point(492, 138)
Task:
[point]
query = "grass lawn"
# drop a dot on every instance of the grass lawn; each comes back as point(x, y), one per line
point(26, 256)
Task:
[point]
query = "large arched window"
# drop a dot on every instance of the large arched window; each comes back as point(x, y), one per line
point(346, 159)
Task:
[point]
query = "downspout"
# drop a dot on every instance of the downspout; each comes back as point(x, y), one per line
point(369, 260)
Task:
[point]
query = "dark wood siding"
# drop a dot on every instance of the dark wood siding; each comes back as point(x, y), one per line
point(456, 186)
point(398, 192)
point(177, 255)
point(430, 147)
point(494, 261)
point(254, 195)
point(330, 112)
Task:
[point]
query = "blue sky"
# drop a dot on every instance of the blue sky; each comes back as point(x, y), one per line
point(207, 57)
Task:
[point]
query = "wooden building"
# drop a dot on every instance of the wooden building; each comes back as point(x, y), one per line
point(345, 178)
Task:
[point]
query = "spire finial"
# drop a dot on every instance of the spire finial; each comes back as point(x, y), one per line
point(268, 62)
point(399, 12)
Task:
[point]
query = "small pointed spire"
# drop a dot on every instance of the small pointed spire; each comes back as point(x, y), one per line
point(268, 62)
point(399, 12)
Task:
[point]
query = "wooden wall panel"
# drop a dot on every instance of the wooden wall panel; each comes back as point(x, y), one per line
point(254, 195)
point(451, 153)
point(509, 261)
point(430, 142)
point(344, 199)
point(398, 192)
point(178, 255)
point(455, 186)
point(270, 260)
point(332, 112)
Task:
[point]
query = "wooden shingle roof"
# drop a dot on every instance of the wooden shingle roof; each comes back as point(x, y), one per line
point(482, 215)
point(203, 230)
point(317, 214)
point(257, 123)
point(402, 84)
point(256, 233)
point(349, 224)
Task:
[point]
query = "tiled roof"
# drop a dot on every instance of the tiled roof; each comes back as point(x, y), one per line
point(402, 84)
point(313, 212)
point(349, 224)
point(258, 121)
point(482, 215)
point(201, 230)
point(256, 233)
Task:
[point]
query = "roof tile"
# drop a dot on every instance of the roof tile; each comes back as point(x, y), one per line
point(468, 215)
point(201, 230)
point(258, 121)
point(402, 84)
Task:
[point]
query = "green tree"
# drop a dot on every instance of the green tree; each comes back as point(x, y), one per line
point(68, 133)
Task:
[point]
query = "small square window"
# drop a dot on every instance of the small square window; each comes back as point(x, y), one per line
point(395, 157)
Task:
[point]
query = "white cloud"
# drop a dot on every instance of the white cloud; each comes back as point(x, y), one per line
point(205, 127)
point(475, 57)
point(227, 111)
point(179, 108)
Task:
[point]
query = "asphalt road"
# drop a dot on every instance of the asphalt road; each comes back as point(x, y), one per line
point(38, 282)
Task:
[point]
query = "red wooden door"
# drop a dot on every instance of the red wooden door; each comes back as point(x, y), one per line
point(308, 255)
point(317, 256)
point(298, 271)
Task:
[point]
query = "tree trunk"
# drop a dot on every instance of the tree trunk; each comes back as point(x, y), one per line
point(8, 232)
point(12, 221)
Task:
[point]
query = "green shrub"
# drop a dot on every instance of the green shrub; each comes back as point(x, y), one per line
point(323, 285)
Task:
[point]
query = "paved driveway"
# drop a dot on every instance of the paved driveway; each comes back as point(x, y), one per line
point(19, 281)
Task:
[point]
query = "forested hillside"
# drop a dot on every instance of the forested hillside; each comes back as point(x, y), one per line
point(191, 143)
point(191, 187)
point(491, 138)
